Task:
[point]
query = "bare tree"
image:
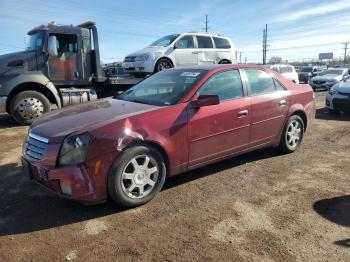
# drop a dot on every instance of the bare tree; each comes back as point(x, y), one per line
point(275, 60)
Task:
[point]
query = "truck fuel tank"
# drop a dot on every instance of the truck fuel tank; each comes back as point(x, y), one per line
point(73, 96)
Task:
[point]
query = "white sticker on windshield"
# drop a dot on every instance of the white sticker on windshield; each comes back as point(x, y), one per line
point(190, 74)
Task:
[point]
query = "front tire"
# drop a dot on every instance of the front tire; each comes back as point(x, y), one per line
point(163, 64)
point(136, 176)
point(28, 105)
point(292, 134)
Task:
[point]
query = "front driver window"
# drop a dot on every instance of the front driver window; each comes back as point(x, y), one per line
point(185, 42)
point(227, 85)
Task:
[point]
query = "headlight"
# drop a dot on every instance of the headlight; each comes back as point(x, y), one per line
point(74, 149)
point(332, 92)
point(142, 58)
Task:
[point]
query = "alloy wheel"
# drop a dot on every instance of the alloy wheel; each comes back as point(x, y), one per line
point(294, 133)
point(140, 176)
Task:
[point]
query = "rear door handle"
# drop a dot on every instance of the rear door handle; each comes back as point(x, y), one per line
point(195, 52)
point(282, 103)
point(242, 113)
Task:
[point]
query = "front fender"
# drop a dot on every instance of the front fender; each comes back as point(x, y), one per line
point(10, 82)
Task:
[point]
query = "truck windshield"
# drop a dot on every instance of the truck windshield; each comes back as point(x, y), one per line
point(165, 41)
point(164, 88)
point(35, 41)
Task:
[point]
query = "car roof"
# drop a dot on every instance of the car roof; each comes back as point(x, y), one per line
point(204, 34)
point(219, 66)
point(281, 65)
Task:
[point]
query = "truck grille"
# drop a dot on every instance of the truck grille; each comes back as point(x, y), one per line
point(130, 59)
point(35, 147)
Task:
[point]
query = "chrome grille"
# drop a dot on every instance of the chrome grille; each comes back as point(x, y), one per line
point(130, 59)
point(35, 147)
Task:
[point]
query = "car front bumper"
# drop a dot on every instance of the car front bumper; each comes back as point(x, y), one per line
point(338, 102)
point(3, 101)
point(139, 66)
point(326, 85)
point(83, 183)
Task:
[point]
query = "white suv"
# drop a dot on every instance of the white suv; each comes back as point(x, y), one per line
point(184, 49)
point(288, 71)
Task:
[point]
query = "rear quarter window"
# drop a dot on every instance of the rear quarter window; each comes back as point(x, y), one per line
point(259, 82)
point(221, 43)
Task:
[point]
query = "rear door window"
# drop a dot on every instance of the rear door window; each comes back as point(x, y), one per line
point(221, 43)
point(204, 41)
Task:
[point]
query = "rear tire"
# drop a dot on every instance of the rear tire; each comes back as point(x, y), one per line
point(292, 134)
point(28, 105)
point(136, 176)
point(224, 61)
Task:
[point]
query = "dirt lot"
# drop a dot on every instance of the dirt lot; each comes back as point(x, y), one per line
point(262, 206)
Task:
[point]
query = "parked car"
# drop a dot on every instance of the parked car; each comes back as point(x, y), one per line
point(172, 122)
point(114, 70)
point(328, 78)
point(186, 49)
point(338, 97)
point(307, 72)
point(288, 71)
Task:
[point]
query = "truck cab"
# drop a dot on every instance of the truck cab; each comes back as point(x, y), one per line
point(61, 66)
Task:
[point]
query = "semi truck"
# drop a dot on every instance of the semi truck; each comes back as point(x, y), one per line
point(60, 67)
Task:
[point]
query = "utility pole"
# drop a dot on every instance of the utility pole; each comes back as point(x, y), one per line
point(345, 50)
point(245, 60)
point(240, 57)
point(206, 24)
point(264, 44)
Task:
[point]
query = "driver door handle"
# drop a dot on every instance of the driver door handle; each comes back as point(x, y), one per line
point(282, 102)
point(242, 113)
point(195, 52)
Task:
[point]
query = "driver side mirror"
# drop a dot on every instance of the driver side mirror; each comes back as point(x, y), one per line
point(205, 100)
point(52, 48)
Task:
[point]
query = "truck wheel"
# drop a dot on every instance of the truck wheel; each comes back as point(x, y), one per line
point(136, 176)
point(28, 105)
point(162, 64)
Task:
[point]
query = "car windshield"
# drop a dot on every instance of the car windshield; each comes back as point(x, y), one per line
point(286, 69)
point(306, 69)
point(35, 41)
point(164, 88)
point(165, 41)
point(331, 72)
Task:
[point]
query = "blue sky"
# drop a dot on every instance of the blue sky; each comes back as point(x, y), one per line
point(126, 26)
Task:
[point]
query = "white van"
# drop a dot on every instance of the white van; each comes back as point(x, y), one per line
point(186, 49)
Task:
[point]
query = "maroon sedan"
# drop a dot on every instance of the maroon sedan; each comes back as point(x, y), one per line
point(174, 121)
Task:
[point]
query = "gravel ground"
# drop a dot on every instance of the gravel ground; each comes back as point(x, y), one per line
point(262, 206)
